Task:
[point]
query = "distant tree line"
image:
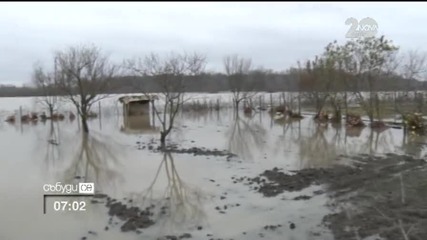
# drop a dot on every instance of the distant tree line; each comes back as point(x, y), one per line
point(258, 80)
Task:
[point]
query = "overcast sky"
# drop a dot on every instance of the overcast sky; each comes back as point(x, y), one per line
point(274, 35)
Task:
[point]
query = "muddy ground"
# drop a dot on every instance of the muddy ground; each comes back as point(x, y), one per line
point(371, 198)
point(374, 198)
point(173, 148)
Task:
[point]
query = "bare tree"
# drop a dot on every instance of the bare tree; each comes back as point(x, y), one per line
point(338, 97)
point(290, 80)
point(390, 72)
point(413, 68)
point(169, 73)
point(414, 65)
point(316, 82)
point(237, 70)
point(45, 82)
point(84, 76)
point(365, 59)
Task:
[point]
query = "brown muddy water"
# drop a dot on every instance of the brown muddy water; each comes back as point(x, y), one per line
point(199, 193)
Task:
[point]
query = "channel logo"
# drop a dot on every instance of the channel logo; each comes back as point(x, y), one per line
point(86, 188)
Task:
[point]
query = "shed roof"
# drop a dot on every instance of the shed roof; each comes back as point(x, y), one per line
point(137, 98)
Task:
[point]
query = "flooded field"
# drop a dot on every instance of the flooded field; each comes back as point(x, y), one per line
point(199, 188)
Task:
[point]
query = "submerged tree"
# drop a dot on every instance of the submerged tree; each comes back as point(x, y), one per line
point(45, 82)
point(237, 70)
point(414, 67)
point(316, 82)
point(84, 76)
point(366, 60)
point(338, 97)
point(169, 73)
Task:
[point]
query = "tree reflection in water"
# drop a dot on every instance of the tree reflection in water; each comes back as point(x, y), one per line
point(245, 137)
point(95, 161)
point(414, 144)
point(291, 135)
point(378, 142)
point(323, 145)
point(52, 153)
point(315, 150)
point(47, 146)
point(179, 202)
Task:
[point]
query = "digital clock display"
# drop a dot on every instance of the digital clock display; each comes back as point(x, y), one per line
point(74, 206)
point(68, 191)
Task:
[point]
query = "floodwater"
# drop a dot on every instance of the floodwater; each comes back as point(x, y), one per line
point(33, 155)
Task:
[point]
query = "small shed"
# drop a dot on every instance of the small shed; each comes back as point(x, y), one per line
point(137, 105)
point(137, 118)
point(138, 125)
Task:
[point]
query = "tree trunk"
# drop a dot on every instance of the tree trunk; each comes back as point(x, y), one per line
point(337, 114)
point(396, 107)
point(236, 111)
point(317, 116)
point(163, 135)
point(84, 124)
point(345, 103)
point(419, 101)
point(371, 116)
point(83, 114)
point(377, 106)
point(318, 108)
point(50, 111)
point(163, 138)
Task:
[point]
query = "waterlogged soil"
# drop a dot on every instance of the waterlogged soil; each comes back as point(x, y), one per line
point(195, 151)
point(130, 218)
point(273, 182)
point(198, 151)
point(388, 199)
point(373, 198)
